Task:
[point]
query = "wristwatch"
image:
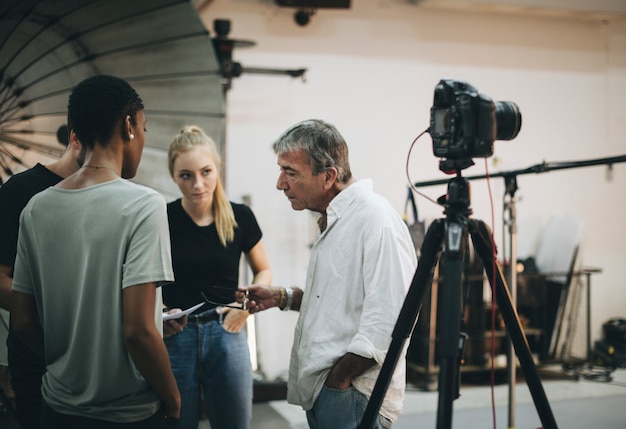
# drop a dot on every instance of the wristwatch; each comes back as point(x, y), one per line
point(289, 292)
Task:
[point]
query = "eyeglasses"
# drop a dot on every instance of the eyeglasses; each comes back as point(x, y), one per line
point(243, 306)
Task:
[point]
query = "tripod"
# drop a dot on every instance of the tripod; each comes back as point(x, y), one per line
point(449, 236)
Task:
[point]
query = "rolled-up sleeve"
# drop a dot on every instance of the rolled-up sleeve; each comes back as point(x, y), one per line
point(386, 268)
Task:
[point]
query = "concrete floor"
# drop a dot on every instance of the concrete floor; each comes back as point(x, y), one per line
point(574, 403)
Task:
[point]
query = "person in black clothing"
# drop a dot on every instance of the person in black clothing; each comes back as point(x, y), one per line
point(210, 357)
point(25, 367)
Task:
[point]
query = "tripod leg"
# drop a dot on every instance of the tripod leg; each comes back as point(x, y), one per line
point(449, 319)
point(481, 237)
point(422, 280)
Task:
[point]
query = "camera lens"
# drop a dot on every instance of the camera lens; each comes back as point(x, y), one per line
point(508, 120)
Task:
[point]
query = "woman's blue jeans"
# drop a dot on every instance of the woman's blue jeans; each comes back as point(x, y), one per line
point(341, 409)
point(212, 363)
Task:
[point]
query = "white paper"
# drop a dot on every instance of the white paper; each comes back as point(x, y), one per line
point(178, 315)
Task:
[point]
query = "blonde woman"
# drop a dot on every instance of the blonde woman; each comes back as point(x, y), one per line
point(210, 357)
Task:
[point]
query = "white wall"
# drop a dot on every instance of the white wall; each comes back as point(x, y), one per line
point(372, 71)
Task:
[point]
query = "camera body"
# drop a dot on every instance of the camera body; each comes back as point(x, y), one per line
point(465, 123)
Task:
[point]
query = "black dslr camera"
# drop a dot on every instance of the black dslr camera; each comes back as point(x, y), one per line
point(464, 123)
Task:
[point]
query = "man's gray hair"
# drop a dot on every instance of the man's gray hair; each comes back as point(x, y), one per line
point(322, 142)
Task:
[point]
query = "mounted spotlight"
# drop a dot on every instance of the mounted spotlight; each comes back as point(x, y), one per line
point(303, 16)
point(229, 69)
point(315, 4)
point(306, 8)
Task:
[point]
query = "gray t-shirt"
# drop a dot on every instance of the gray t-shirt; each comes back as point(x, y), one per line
point(77, 251)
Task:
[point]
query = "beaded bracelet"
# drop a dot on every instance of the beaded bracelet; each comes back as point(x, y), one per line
point(281, 302)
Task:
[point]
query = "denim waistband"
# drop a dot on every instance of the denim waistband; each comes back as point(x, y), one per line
point(208, 316)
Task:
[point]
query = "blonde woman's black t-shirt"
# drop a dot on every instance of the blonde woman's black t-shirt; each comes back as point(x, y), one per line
point(201, 263)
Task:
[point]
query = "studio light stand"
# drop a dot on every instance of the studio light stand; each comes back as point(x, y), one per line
point(510, 223)
point(449, 236)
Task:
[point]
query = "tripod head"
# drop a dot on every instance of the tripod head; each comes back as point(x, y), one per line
point(457, 200)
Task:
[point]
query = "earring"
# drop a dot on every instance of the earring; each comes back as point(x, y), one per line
point(131, 135)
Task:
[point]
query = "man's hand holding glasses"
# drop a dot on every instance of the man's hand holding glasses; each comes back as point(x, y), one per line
point(260, 297)
point(233, 321)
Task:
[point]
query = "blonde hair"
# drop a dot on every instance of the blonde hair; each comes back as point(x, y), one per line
point(190, 137)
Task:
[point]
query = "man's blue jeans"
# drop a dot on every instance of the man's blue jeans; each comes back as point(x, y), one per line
point(206, 358)
point(341, 409)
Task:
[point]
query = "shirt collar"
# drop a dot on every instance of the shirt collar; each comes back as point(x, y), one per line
point(339, 205)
